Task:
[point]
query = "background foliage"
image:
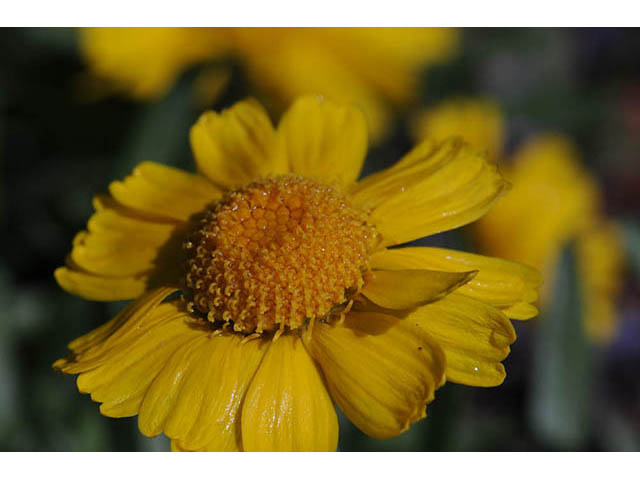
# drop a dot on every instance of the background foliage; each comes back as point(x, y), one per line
point(59, 146)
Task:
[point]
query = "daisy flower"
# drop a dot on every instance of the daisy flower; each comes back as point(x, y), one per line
point(547, 176)
point(376, 68)
point(266, 287)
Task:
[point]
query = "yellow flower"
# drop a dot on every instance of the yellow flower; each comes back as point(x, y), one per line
point(372, 67)
point(265, 289)
point(552, 187)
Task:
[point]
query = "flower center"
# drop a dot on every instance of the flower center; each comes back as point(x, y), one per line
point(277, 253)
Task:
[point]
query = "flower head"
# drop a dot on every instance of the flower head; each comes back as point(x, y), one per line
point(548, 177)
point(372, 67)
point(265, 288)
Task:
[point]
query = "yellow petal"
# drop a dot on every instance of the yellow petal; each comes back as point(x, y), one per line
point(134, 250)
point(118, 370)
point(197, 396)
point(111, 216)
point(501, 283)
point(600, 256)
point(99, 346)
point(117, 255)
point(145, 62)
point(403, 289)
point(433, 189)
point(164, 191)
point(287, 407)
point(407, 172)
point(94, 287)
point(175, 447)
point(120, 384)
point(160, 399)
point(479, 121)
point(381, 371)
point(394, 57)
point(118, 245)
point(236, 146)
point(105, 202)
point(520, 311)
point(133, 313)
point(475, 337)
point(323, 140)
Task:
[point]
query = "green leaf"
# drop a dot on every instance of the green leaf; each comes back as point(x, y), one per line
point(562, 373)
point(631, 237)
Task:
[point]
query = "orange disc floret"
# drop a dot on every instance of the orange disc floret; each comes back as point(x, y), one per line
point(276, 253)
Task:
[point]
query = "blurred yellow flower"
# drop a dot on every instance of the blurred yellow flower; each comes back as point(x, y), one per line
point(375, 68)
point(479, 121)
point(265, 289)
point(551, 186)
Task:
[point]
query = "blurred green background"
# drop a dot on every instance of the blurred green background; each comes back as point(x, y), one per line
point(58, 148)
